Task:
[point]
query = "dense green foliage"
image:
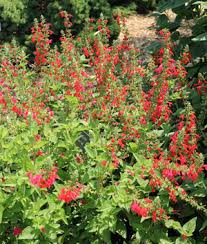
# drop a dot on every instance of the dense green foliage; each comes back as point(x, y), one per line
point(17, 16)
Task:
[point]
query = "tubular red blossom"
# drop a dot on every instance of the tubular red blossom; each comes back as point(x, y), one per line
point(169, 173)
point(172, 195)
point(45, 179)
point(143, 212)
point(104, 163)
point(42, 229)
point(120, 143)
point(154, 216)
point(192, 173)
point(186, 57)
point(147, 200)
point(205, 166)
point(69, 194)
point(159, 69)
point(37, 137)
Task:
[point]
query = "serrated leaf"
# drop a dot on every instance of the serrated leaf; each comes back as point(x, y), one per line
point(164, 241)
point(190, 226)
point(199, 193)
point(174, 224)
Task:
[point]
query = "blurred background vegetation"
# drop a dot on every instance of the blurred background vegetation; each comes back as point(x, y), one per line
point(17, 16)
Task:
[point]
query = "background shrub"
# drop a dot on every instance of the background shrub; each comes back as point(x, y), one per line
point(16, 17)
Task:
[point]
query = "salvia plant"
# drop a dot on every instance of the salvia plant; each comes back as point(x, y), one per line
point(95, 146)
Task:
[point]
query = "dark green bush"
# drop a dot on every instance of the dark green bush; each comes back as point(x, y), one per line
point(16, 17)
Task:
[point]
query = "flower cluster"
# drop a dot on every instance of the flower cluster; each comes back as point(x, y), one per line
point(141, 211)
point(45, 179)
point(68, 194)
point(40, 36)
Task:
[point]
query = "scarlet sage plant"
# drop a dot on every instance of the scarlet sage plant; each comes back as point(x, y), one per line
point(97, 147)
point(45, 179)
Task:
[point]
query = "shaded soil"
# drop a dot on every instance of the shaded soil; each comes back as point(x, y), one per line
point(139, 33)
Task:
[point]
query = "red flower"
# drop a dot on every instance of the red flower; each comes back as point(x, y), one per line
point(120, 142)
point(42, 229)
point(172, 195)
point(205, 166)
point(147, 200)
point(104, 163)
point(17, 231)
point(159, 69)
point(45, 179)
point(69, 194)
point(38, 137)
point(154, 216)
point(143, 212)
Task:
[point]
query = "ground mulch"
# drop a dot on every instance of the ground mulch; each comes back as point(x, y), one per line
point(140, 31)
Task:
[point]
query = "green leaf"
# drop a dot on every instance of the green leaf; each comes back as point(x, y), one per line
point(174, 224)
point(50, 134)
point(200, 38)
point(181, 241)
point(204, 225)
point(133, 146)
point(121, 229)
point(3, 132)
point(1, 213)
point(190, 226)
point(91, 152)
point(27, 234)
point(153, 47)
point(199, 193)
point(164, 241)
point(143, 183)
point(39, 144)
point(171, 4)
point(72, 100)
point(202, 3)
point(141, 160)
point(107, 236)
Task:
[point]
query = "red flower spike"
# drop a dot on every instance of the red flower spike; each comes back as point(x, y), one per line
point(136, 208)
point(69, 194)
point(45, 179)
